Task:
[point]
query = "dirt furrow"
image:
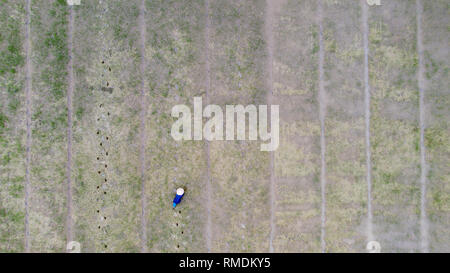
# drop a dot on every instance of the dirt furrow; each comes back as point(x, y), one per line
point(423, 166)
point(270, 48)
point(143, 137)
point(69, 224)
point(367, 118)
point(322, 109)
point(208, 150)
point(28, 85)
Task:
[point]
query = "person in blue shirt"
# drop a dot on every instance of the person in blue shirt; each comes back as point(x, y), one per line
point(178, 196)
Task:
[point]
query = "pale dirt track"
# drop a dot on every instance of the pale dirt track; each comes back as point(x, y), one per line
point(143, 135)
point(28, 87)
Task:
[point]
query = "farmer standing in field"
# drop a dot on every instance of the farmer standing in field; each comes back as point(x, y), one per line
point(178, 196)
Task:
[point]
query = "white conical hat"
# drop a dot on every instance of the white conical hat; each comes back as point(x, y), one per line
point(180, 191)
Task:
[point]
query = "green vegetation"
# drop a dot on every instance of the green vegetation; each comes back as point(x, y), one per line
point(394, 128)
point(174, 46)
point(346, 190)
point(106, 144)
point(12, 126)
point(297, 160)
point(49, 26)
point(106, 141)
point(437, 133)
